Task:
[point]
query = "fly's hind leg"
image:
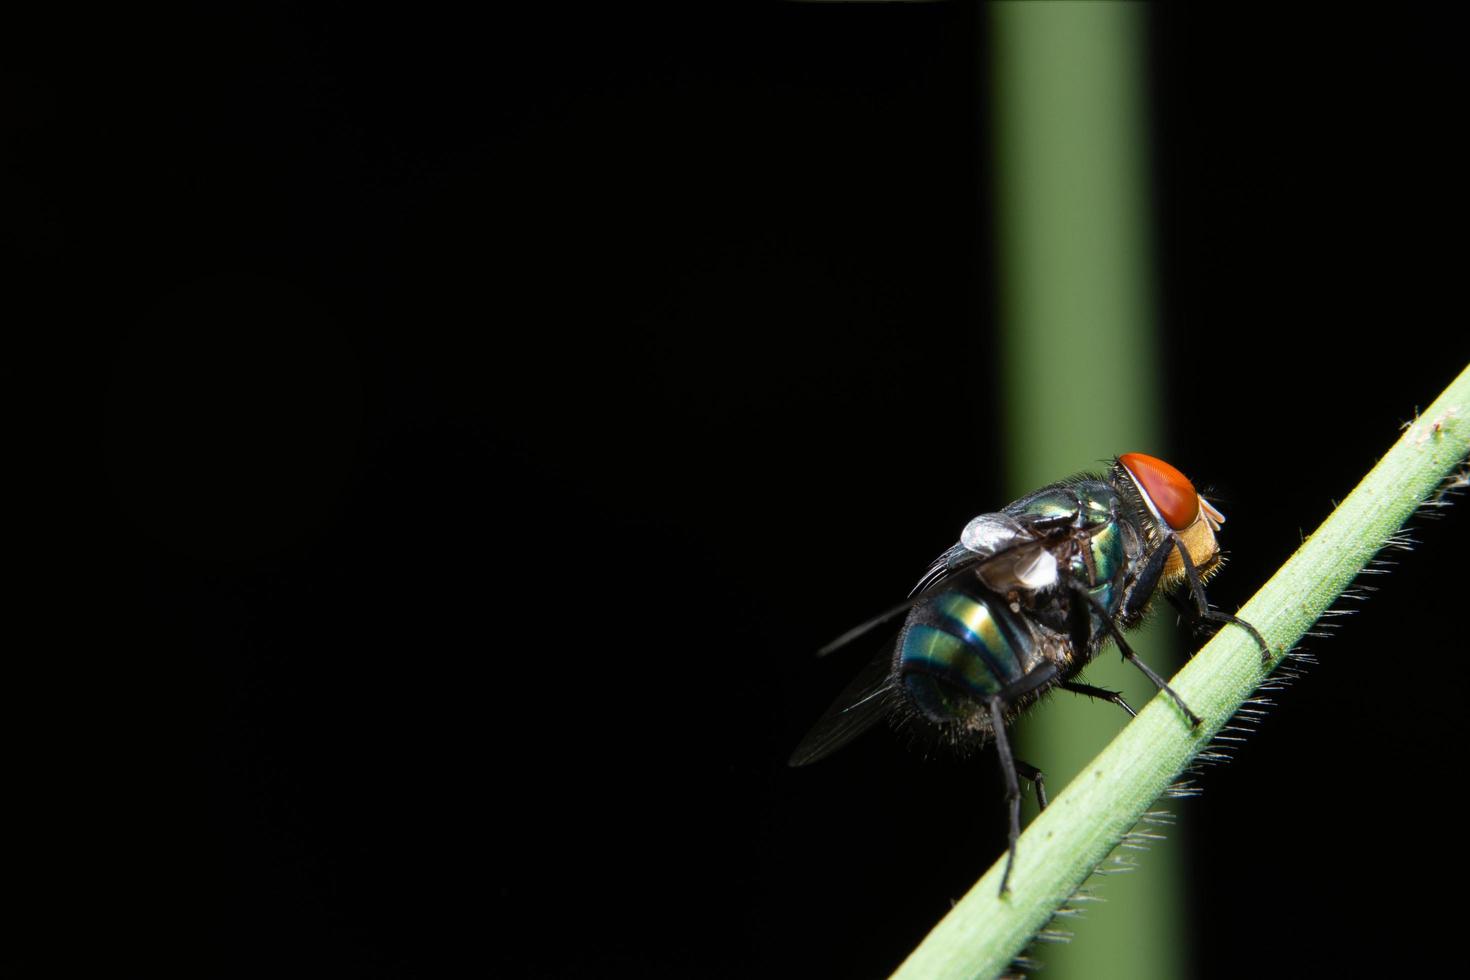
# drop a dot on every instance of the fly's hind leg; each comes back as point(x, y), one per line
point(1013, 785)
point(997, 705)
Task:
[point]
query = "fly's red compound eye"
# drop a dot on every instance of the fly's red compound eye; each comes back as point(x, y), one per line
point(1170, 491)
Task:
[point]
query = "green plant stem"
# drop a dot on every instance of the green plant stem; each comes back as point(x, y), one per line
point(1077, 295)
point(985, 931)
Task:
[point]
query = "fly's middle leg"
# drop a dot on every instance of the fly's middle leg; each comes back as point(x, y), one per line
point(1100, 694)
point(1038, 780)
point(1082, 591)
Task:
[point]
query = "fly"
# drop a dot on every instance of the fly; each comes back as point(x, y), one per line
point(1024, 600)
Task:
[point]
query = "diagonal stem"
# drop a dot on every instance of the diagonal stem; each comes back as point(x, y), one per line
point(985, 932)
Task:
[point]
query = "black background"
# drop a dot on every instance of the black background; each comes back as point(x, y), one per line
point(483, 416)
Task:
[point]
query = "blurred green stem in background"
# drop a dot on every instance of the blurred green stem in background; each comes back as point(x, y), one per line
point(1080, 380)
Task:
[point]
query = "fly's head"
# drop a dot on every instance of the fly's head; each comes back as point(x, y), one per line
point(1174, 508)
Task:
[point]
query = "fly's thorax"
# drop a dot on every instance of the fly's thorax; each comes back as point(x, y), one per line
point(1056, 505)
point(1083, 502)
point(1078, 536)
point(1103, 559)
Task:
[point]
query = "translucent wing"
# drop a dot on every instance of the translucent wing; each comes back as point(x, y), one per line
point(861, 704)
point(1013, 554)
point(984, 539)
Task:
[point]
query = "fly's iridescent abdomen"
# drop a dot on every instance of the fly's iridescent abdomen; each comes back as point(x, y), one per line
point(961, 648)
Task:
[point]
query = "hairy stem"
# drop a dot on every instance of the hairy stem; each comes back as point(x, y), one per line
point(985, 931)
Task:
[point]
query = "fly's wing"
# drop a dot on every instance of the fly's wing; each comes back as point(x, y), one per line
point(955, 560)
point(984, 541)
point(861, 704)
point(1006, 551)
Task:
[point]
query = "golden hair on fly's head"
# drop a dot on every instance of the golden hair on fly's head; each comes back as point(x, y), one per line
point(1199, 541)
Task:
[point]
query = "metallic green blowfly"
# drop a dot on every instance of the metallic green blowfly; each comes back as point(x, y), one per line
point(1023, 602)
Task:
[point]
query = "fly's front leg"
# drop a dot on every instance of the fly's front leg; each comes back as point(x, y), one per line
point(1202, 606)
point(1138, 593)
point(1198, 624)
point(1186, 611)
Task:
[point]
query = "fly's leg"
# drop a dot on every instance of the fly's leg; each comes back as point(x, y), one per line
point(1136, 597)
point(1128, 653)
point(1038, 780)
point(1202, 606)
point(1100, 694)
point(1038, 678)
point(1138, 593)
point(1013, 785)
point(1187, 611)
